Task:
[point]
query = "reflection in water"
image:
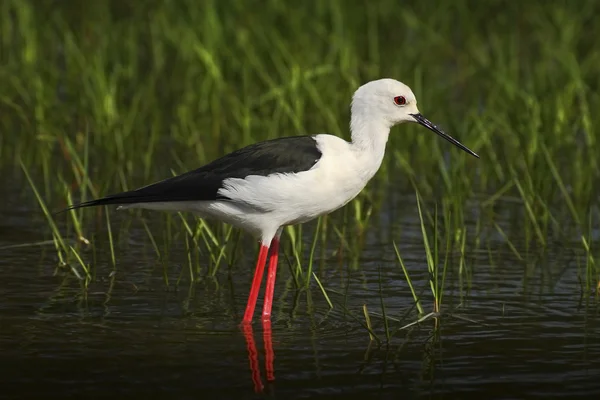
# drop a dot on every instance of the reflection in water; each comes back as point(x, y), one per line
point(253, 354)
point(253, 357)
point(269, 354)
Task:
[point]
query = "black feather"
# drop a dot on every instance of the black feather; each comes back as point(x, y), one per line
point(282, 155)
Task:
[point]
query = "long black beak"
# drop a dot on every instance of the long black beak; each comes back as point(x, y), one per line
point(427, 124)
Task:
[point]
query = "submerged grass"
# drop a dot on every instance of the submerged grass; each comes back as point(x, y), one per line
point(109, 96)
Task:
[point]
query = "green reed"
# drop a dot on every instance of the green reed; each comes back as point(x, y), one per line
point(108, 97)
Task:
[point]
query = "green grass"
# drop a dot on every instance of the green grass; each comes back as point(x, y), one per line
point(107, 96)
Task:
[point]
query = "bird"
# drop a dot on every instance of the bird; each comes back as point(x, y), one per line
point(268, 185)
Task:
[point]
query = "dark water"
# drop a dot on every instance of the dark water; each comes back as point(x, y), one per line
point(521, 331)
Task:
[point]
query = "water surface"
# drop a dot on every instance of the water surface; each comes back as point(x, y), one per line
point(521, 331)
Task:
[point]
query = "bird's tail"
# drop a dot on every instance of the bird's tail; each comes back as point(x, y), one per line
point(185, 187)
point(130, 197)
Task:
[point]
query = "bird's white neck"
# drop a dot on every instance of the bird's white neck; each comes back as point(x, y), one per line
point(369, 138)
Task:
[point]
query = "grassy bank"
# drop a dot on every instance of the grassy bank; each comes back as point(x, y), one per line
point(106, 96)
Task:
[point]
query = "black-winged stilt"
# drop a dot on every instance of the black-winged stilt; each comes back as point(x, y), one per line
point(290, 180)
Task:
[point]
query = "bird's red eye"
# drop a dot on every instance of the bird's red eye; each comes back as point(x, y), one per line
point(400, 100)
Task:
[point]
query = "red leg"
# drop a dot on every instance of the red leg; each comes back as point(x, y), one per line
point(253, 357)
point(258, 274)
point(268, 304)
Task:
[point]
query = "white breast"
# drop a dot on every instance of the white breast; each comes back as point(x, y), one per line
point(286, 199)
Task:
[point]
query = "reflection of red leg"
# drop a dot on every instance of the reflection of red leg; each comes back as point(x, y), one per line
point(253, 357)
point(270, 288)
point(258, 274)
point(269, 354)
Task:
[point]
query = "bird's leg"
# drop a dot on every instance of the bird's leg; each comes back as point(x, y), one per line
point(272, 271)
point(258, 274)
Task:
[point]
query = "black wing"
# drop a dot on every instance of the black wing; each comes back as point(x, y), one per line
point(282, 155)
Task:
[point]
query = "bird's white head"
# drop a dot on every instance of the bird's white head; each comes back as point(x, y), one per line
point(388, 102)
